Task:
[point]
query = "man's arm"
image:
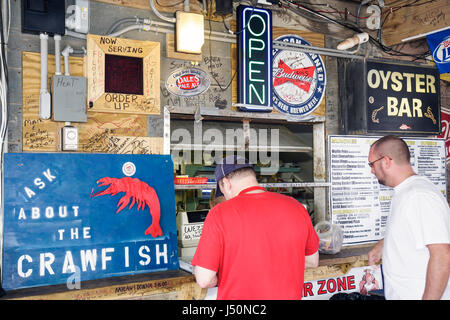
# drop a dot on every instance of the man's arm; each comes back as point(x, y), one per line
point(376, 253)
point(312, 261)
point(205, 278)
point(438, 271)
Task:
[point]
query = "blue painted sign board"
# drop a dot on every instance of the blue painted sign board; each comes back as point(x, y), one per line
point(78, 217)
point(255, 59)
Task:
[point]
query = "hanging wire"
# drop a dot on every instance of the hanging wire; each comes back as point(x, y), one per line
point(386, 49)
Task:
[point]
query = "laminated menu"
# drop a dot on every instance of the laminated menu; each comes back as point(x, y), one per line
point(358, 203)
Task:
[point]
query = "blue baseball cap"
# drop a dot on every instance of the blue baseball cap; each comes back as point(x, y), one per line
point(226, 166)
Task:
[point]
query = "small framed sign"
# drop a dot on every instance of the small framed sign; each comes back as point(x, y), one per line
point(123, 75)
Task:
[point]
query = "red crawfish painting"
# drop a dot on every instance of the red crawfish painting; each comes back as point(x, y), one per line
point(139, 192)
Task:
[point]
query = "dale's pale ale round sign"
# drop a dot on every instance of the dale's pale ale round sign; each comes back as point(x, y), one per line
point(188, 82)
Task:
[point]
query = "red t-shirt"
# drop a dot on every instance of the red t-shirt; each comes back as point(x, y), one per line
point(257, 243)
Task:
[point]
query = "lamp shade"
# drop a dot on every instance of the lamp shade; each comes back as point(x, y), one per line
point(190, 32)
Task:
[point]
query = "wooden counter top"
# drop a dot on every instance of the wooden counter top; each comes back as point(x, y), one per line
point(334, 265)
point(347, 254)
point(167, 285)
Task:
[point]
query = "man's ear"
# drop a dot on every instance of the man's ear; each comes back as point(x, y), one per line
point(388, 162)
point(225, 183)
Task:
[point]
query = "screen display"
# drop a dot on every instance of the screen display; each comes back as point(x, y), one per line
point(123, 74)
point(197, 216)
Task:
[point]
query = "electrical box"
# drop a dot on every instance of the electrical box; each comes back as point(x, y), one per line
point(69, 98)
point(69, 138)
point(79, 18)
point(39, 16)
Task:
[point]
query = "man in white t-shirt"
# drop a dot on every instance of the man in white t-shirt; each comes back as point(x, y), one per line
point(415, 251)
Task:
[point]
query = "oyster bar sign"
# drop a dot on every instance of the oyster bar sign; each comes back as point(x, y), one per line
point(188, 82)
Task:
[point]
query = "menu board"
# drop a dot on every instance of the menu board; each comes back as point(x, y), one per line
point(358, 202)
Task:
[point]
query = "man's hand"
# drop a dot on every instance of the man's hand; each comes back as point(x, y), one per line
point(205, 278)
point(376, 253)
point(312, 261)
point(438, 271)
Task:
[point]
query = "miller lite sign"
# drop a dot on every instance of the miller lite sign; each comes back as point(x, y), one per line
point(439, 44)
point(299, 79)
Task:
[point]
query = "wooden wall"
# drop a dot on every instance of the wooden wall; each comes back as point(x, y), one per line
point(414, 20)
point(103, 132)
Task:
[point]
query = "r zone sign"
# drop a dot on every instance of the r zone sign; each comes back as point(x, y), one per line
point(255, 59)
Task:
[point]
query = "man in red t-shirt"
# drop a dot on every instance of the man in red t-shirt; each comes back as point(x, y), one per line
point(256, 244)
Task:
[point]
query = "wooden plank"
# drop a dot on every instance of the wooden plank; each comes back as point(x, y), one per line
point(339, 264)
point(165, 7)
point(161, 5)
point(315, 39)
point(95, 133)
point(335, 270)
point(43, 135)
point(414, 20)
point(182, 288)
point(37, 134)
point(348, 254)
point(135, 145)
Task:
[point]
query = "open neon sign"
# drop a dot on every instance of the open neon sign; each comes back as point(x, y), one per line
point(255, 59)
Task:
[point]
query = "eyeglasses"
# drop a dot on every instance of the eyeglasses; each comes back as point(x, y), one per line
point(372, 162)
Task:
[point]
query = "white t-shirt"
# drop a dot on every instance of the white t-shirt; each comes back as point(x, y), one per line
point(419, 216)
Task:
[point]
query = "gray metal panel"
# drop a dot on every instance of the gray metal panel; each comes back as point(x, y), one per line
point(69, 98)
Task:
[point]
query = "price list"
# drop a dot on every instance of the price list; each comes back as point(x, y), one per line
point(358, 202)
